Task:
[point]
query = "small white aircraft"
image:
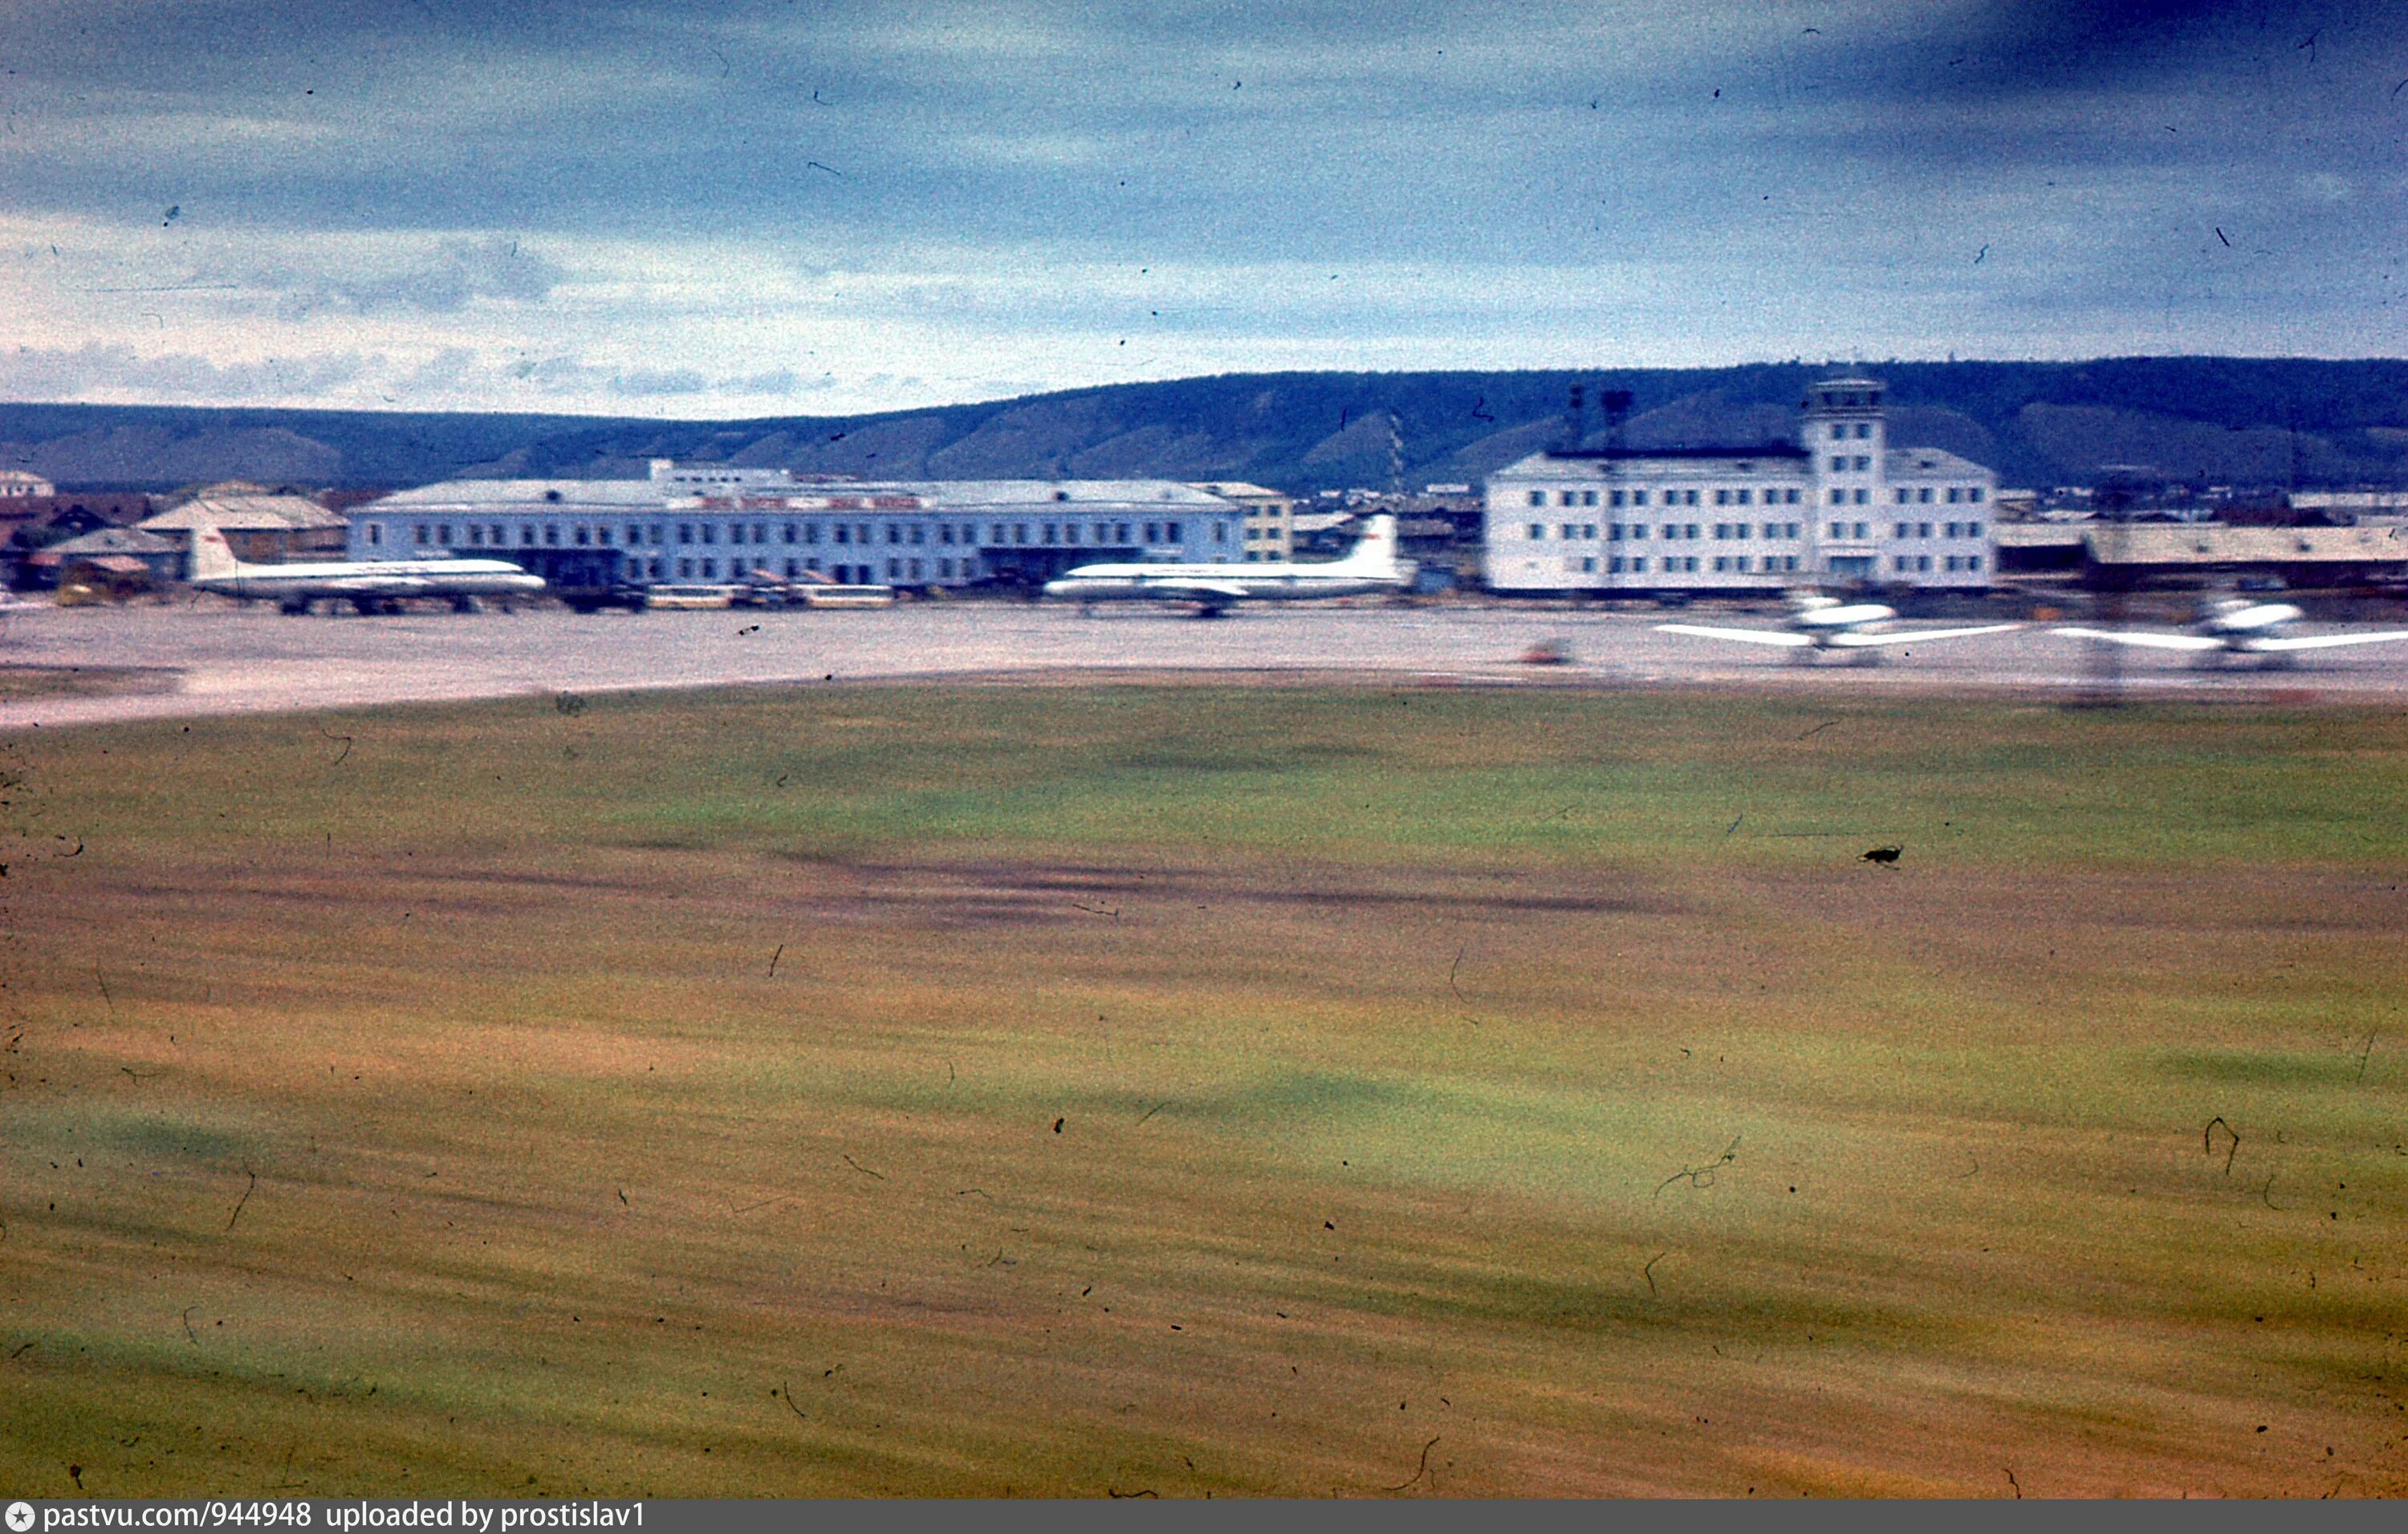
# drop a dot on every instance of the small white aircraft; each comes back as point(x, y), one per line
point(369, 584)
point(2236, 626)
point(1826, 623)
point(1370, 565)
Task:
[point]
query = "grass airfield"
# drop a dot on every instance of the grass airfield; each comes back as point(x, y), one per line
point(1207, 1091)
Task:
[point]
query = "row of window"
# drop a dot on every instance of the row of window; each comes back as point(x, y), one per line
point(1840, 432)
point(1725, 532)
point(1758, 565)
point(1921, 495)
point(1861, 463)
point(603, 534)
point(1923, 530)
point(1773, 495)
point(657, 567)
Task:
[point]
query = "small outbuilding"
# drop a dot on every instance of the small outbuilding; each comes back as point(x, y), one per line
point(116, 556)
point(261, 525)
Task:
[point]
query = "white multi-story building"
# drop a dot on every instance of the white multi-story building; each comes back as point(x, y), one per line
point(711, 522)
point(1837, 505)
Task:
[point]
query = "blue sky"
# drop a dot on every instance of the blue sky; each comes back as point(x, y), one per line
point(787, 207)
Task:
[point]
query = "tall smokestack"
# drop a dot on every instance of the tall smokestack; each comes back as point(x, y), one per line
point(1575, 419)
point(1615, 403)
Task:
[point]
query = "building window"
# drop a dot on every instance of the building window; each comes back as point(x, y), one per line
point(1901, 530)
point(1953, 494)
point(1588, 497)
point(1974, 493)
point(1538, 497)
point(1639, 566)
point(1571, 530)
point(1588, 530)
point(709, 532)
point(1972, 562)
point(1722, 497)
point(844, 534)
point(1861, 530)
point(1588, 565)
point(1972, 529)
point(1839, 465)
point(1839, 529)
point(1537, 532)
point(1900, 563)
point(1170, 532)
point(685, 567)
point(1864, 429)
point(1691, 532)
point(376, 533)
point(580, 535)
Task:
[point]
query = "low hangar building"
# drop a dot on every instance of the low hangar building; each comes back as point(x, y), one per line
point(1837, 505)
point(718, 523)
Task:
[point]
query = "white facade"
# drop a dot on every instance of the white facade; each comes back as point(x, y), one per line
point(17, 483)
point(713, 522)
point(1840, 505)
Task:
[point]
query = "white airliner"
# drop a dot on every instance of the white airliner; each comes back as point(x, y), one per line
point(2237, 626)
point(1370, 565)
point(1826, 623)
point(369, 584)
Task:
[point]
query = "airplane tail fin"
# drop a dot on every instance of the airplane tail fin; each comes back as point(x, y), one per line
point(212, 556)
point(1376, 550)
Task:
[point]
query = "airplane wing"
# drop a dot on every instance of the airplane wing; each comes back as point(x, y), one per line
point(1856, 641)
point(2195, 643)
point(2326, 642)
point(1744, 635)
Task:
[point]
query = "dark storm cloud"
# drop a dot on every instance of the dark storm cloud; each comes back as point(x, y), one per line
point(1790, 171)
point(1354, 127)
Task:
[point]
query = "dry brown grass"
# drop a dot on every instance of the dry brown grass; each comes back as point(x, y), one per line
point(1198, 1092)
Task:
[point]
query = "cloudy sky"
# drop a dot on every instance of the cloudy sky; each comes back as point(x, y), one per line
point(786, 207)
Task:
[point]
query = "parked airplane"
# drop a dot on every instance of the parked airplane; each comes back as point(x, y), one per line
point(2237, 626)
point(1826, 623)
point(1370, 565)
point(369, 584)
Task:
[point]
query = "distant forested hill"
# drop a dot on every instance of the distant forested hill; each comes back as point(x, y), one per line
point(2207, 420)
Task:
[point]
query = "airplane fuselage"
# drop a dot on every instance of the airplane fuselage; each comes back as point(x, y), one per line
point(1825, 626)
point(1239, 583)
point(377, 579)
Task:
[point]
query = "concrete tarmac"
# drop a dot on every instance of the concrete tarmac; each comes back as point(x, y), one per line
point(217, 658)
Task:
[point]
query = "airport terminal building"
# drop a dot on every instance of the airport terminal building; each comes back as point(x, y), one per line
point(711, 522)
point(1839, 506)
